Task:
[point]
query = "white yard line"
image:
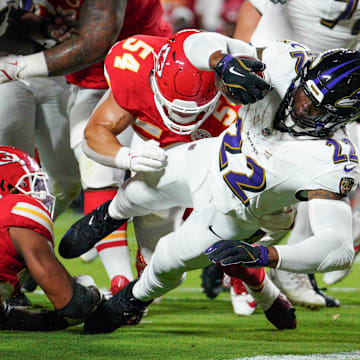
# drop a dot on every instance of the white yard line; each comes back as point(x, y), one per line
point(354, 355)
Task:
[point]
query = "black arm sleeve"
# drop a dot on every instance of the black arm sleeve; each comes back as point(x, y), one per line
point(19, 319)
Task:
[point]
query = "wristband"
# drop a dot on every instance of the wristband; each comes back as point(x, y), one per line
point(35, 65)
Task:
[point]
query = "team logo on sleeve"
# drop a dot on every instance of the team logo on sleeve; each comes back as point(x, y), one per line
point(346, 185)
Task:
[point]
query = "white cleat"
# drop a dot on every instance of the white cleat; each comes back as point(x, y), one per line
point(297, 288)
point(243, 303)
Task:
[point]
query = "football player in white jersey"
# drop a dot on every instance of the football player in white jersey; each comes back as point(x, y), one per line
point(290, 146)
point(27, 249)
point(321, 25)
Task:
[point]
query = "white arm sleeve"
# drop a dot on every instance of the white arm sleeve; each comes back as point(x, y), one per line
point(198, 48)
point(330, 247)
point(100, 158)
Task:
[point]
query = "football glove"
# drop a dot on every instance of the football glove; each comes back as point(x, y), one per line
point(229, 252)
point(239, 80)
point(10, 66)
point(146, 157)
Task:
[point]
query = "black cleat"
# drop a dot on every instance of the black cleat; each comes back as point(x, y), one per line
point(87, 231)
point(211, 277)
point(121, 309)
point(329, 301)
point(19, 300)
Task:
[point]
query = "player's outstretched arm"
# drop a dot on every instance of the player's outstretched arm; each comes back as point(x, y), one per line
point(329, 248)
point(237, 75)
point(73, 299)
point(23, 320)
point(98, 29)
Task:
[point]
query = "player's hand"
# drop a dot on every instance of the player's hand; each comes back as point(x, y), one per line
point(229, 252)
point(10, 66)
point(146, 157)
point(238, 76)
point(279, 1)
point(59, 30)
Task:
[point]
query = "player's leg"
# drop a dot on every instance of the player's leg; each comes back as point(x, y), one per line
point(53, 140)
point(17, 112)
point(99, 184)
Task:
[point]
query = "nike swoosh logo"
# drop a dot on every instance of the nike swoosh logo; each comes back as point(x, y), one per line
point(91, 220)
point(13, 63)
point(348, 168)
point(211, 229)
point(233, 71)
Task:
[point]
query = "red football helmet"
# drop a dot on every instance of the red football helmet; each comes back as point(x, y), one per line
point(21, 173)
point(184, 95)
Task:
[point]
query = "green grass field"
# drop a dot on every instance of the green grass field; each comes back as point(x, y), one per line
point(187, 325)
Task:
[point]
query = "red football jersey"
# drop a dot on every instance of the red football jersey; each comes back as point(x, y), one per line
point(127, 67)
point(141, 17)
point(19, 211)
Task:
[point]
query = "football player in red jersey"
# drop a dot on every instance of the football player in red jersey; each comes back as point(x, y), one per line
point(167, 109)
point(27, 241)
point(98, 27)
point(179, 103)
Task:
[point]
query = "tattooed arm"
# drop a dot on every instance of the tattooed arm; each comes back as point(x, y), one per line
point(98, 29)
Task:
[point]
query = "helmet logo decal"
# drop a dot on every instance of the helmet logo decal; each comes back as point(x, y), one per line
point(7, 158)
point(352, 100)
point(161, 59)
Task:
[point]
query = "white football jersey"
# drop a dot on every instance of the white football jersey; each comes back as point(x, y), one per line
point(264, 169)
point(319, 24)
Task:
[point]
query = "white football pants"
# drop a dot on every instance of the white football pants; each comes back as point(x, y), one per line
point(33, 114)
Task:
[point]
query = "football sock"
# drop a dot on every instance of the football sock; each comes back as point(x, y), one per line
point(113, 250)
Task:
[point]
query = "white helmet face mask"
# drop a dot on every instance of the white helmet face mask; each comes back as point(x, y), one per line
point(39, 189)
point(182, 117)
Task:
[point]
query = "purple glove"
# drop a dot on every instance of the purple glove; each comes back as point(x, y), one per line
point(229, 252)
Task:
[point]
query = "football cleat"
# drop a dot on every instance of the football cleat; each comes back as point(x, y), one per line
point(281, 313)
point(297, 288)
point(243, 303)
point(121, 309)
point(118, 282)
point(86, 232)
point(329, 301)
point(211, 280)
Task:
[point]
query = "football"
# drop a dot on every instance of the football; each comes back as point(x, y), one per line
point(224, 89)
